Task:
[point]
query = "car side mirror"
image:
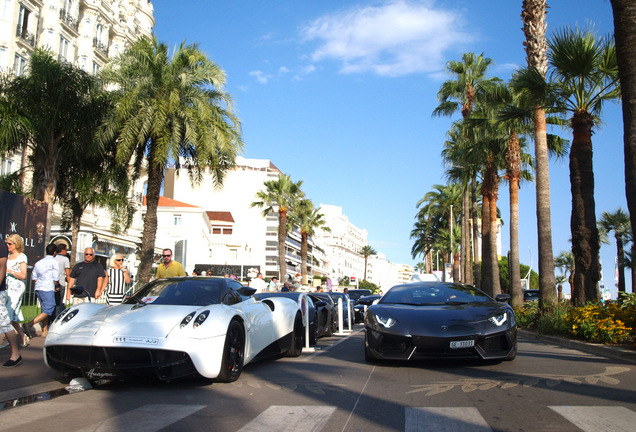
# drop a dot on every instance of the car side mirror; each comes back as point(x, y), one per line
point(246, 291)
point(501, 298)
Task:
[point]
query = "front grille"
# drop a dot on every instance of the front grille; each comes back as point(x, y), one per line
point(73, 360)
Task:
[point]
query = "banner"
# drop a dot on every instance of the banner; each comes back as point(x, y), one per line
point(27, 218)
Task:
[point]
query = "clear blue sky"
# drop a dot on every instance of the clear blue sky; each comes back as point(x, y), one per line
point(339, 94)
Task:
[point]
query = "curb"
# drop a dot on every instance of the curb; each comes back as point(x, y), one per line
point(613, 352)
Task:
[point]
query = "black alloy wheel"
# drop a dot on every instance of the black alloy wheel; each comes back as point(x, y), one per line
point(233, 353)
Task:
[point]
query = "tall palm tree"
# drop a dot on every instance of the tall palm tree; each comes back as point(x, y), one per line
point(458, 93)
point(625, 35)
point(47, 111)
point(620, 224)
point(169, 109)
point(366, 252)
point(533, 16)
point(584, 68)
point(280, 195)
point(308, 219)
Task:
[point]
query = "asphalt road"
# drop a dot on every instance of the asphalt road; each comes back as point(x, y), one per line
point(547, 388)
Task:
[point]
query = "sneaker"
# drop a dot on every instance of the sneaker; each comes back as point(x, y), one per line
point(12, 363)
point(4, 345)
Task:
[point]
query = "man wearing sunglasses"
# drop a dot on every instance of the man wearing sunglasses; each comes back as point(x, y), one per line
point(169, 267)
point(89, 275)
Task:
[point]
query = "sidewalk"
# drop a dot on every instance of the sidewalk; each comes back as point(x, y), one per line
point(31, 377)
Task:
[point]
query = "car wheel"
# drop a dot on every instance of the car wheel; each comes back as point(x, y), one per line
point(330, 327)
point(298, 339)
point(313, 334)
point(512, 355)
point(233, 353)
point(369, 357)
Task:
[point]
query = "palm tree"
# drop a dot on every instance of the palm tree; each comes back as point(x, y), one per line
point(279, 195)
point(534, 28)
point(47, 113)
point(169, 109)
point(308, 219)
point(420, 267)
point(565, 262)
point(624, 35)
point(585, 71)
point(619, 223)
point(366, 252)
point(560, 280)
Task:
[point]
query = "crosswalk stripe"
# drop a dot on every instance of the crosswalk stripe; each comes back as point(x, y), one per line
point(148, 418)
point(18, 416)
point(599, 418)
point(443, 419)
point(290, 419)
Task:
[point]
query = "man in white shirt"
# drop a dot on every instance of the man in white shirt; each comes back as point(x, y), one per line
point(46, 274)
point(65, 272)
point(258, 283)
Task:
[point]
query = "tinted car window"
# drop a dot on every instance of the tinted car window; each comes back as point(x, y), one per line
point(356, 294)
point(434, 294)
point(192, 292)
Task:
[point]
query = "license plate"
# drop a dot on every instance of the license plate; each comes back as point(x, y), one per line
point(462, 344)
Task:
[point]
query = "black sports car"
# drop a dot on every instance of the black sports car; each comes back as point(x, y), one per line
point(328, 318)
point(359, 305)
point(431, 320)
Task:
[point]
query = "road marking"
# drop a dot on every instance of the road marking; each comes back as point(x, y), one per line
point(443, 419)
point(290, 419)
point(18, 416)
point(327, 348)
point(599, 418)
point(148, 418)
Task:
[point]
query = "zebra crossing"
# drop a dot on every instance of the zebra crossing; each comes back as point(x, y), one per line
point(154, 417)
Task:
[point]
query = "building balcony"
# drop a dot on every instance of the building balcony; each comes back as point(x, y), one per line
point(25, 36)
point(69, 20)
point(100, 48)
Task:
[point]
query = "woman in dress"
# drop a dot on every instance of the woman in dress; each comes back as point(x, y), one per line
point(118, 277)
point(16, 284)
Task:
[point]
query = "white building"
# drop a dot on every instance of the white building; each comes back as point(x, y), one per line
point(83, 32)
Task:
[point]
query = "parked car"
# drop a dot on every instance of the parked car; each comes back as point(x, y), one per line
point(330, 313)
point(432, 320)
point(346, 303)
point(361, 303)
point(315, 310)
point(172, 328)
point(530, 295)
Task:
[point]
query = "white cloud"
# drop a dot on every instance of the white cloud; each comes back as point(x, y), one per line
point(399, 37)
point(260, 76)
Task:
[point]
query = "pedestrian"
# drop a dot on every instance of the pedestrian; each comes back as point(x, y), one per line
point(88, 274)
point(5, 323)
point(65, 272)
point(208, 273)
point(16, 284)
point(273, 285)
point(258, 283)
point(169, 267)
point(117, 278)
point(46, 274)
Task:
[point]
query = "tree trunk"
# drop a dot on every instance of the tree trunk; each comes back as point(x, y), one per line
point(486, 273)
point(456, 276)
point(625, 37)
point(149, 233)
point(75, 228)
point(534, 28)
point(467, 276)
point(493, 258)
point(620, 253)
point(282, 235)
point(513, 160)
point(303, 259)
point(585, 240)
point(476, 262)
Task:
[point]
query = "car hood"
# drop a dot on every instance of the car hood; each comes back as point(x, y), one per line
point(126, 320)
point(443, 319)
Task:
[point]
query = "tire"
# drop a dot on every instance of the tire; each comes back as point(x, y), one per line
point(512, 355)
point(313, 334)
point(329, 326)
point(369, 357)
point(233, 353)
point(298, 338)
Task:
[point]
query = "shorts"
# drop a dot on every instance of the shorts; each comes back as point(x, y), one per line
point(5, 322)
point(47, 301)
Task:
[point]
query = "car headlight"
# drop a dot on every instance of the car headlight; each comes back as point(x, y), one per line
point(70, 315)
point(201, 318)
point(185, 321)
point(386, 322)
point(63, 314)
point(498, 320)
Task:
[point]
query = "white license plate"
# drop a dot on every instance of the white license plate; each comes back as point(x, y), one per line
point(462, 344)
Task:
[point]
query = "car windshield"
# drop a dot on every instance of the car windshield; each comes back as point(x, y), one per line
point(531, 294)
point(182, 292)
point(356, 294)
point(434, 294)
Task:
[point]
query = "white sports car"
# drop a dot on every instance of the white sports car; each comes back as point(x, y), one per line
point(173, 328)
